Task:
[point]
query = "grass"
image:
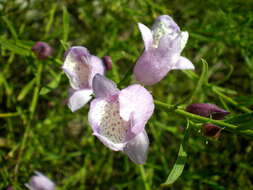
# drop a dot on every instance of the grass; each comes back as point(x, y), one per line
point(38, 131)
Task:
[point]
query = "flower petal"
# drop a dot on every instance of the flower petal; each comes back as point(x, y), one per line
point(79, 98)
point(164, 25)
point(136, 104)
point(107, 124)
point(103, 87)
point(97, 66)
point(165, 22)
point(183, 63)
point(150, 67)
point(137, 148)
point(107, 142)
point(146, 35)
point(184, 39)
point(40, 182)
point(76, 67)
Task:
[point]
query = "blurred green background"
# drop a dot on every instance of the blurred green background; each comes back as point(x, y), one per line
point(39, 132)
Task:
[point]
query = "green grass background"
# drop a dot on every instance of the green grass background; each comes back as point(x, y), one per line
point(40, 133)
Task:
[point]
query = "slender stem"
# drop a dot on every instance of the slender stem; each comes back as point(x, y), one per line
point(143, 176)
point(227, 126)
point(9, 114)
point(32, 111)
point(230, 100)
point(127, 75)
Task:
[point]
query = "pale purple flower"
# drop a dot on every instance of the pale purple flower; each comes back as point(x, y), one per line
point(163, 46)
point(80, 67)
point(40, 182)
point(118, 117)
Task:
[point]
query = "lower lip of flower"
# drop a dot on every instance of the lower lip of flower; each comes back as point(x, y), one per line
point(111, 125)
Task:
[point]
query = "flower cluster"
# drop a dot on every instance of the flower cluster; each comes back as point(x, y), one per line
point(118, 117)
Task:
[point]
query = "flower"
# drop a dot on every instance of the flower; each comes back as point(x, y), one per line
point(42, 50)
point(80, 67)
point(118, 117)
point(40, 182)
point(207, 110)
point(211, 130)
point(163, 46)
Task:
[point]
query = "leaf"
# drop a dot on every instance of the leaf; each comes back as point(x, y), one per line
point(203, 79)
point(243, 121)
point(26, 90)
point(50, 86)
point(51, 18)
point(10, 27)
point(178, 167)
point(14, 47)
point(244, 100)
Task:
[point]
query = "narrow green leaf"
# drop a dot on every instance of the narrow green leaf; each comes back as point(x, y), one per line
point(178, 167)
point(65, 24)
point(27, 88)
point(12, 46)
point(243, 121)
point(10, 27)
point(51, 18)
point(50, 86)
point(203, 79)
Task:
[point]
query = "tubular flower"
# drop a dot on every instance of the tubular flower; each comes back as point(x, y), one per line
point(163, 46)
point(80, 67)
point(40, 182)
point(118, 117)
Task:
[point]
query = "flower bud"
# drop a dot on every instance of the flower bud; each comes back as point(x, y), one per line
point(211, 130)
point(40, 182)
point(9, 187)
point(42, 50)
point(107, 62)
point(207, 110)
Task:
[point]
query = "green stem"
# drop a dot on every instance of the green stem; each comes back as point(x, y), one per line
point(9, 114)
point(230, 100)
point(143, 176)
point(226, 126)
point(32, 111)
point(127, 75)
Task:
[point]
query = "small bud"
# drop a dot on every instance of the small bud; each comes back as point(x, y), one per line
point(107, 62)
point(211, 130)
point(207, 110)
point(40, 182)
point(42, 50)
point(9, 187)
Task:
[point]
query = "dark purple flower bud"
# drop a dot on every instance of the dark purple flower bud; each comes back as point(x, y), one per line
point(42, 50)
point(211, 130)
point(9, 187)
point(107, 62)
point(207, 110)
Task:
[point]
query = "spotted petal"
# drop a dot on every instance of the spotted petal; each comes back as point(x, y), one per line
point(107, 124)
point(76, 67)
